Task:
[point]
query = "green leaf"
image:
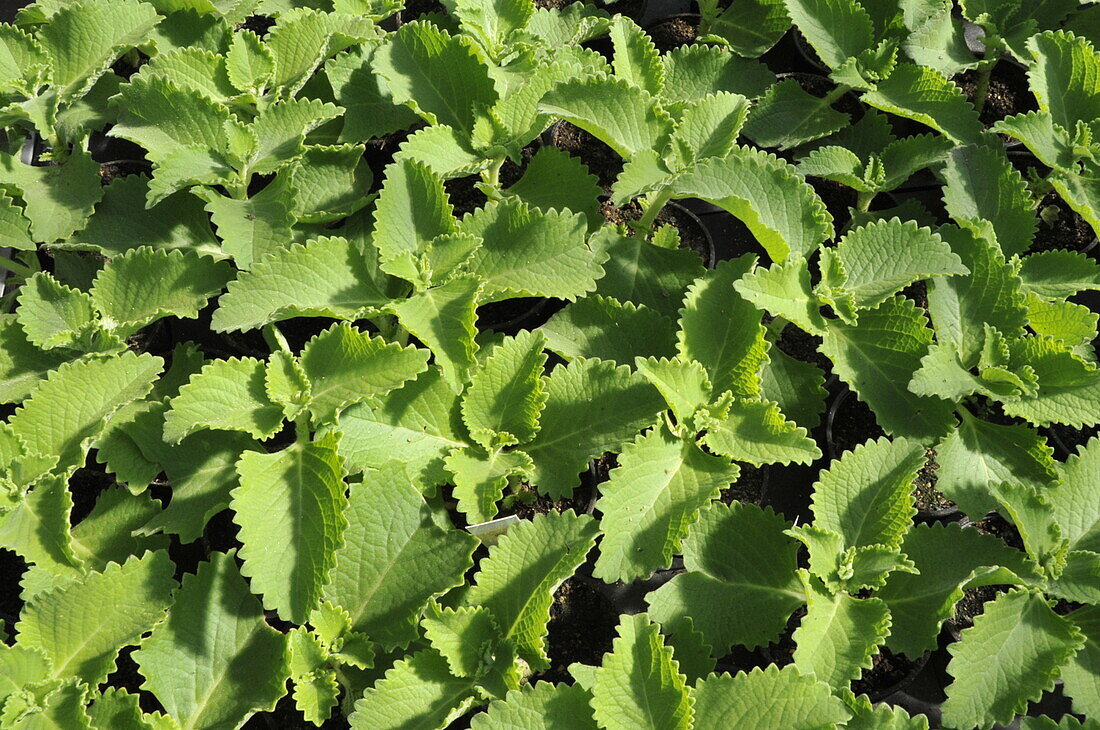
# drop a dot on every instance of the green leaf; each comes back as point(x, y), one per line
point(418, 691)
point(193, 69)
point(635, 59)
point(741, 584)
point(837, 29)
point(1059, 274)
point(290, 508)
point(1050, 143)
point(682, 383)
point(695, 70)
point(492, 21)
point(766, 698)
point(722, 331)
point(58, 198)
point(639, 272)
point(327, 277)
point(639, 683)
point(625, 117)
point(881, 716)
point(160, 116)
point(81, 626)
point(756, 432)
point(54, 315)
point(1063, 77)
point(507, 394)
point(1076, 505)
point(979, 455)
point(395, 557)
point(54, 706)
point(69, 409)
point(121, 222)
point(420, 421)
point(961, 307)
point(146, 284)
point(599, 327)
point(982, 184)
point(1073, 324)
point(878, 357)
point(591, 407)
point(443, 319)
point(412, 210)
point(530, 253)
point(214, 662)
point(118, 709)
point(788, 116)
point(345, 365)
point(83, 40)
point(370, 111)
point(249, 65)
point(252, 229)
point(331, 183)
point(797, 387)
point(302, 40)
point(463, 637)
point(517, 580)
point(1020, 635)
point(1069, 388)
point(784, 290)
point(37, 529)
point(924, 95)
point(865, 495)
point(749, 28)
point(768, 195)
point(1080, 672)
point(316, 690)
point(479, 479)
point(438, 76)
point(881, 258)
point(105, 535)
point(708, 127)
point(541, 706)
point(838, 635)
point(555, 180)
point(14, 226)
point(226, 395)
point(651, 500)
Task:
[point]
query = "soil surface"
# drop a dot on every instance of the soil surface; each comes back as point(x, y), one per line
point(601, 160)
point(888, 671)
point(851, 422)
point(671, 33)
point(1008, 92)
point(692, 233)
point(581, 629)
point(927, 498)
point(1066, 229)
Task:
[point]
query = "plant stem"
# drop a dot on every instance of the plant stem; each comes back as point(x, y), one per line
point(301, 429)
point(17, 269)
point(981, 90)
point(491, 176)
point(839, 91)
point(863, 201)
point(653, 205)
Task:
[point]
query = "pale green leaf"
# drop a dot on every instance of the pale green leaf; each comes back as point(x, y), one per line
point(591, 407)
point(527, 252)
point(555, 180)
point(651, 500)
point(797, 387)
point(767, 698)
point(639, 684)
point(865, 495)
point(695, 70)
point(82, 625)
point(1026, 641)
point(54, 315)
point(982, 184)
point(722, 331)
point(837, 29)
point(542, 706)
point(369, 109)
point(740, 586)
point(160, 116)
point(345, 365)
point(58, 198)
point(412, 210)
point(479, 479)
point(71, 406)
point(1074, 500)
point(878, 357)
point(226, 395)
point(756, 432)
point(507, 394)
point(214, 662)
point(1080, 673)
point(784, 290)
point(924, 95)
point(106, 534)
point(766, 194)
point(604, 328)
point(302, 40)
point(290, 507)
point(248, 63)
point(1059, 273)
point(788, 116)
point(682, 383)
point(37, 529)
point(253, 228)
point(327, 277)
point(1065, 77)
point(517, 580)
point(395, 558)
point(639, 272)
point(418, 692)
point(443, 319)
point(331, 183)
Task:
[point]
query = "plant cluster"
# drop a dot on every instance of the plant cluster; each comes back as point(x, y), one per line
point(330, 376)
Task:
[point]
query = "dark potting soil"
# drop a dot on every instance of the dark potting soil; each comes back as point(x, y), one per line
point(926, 497)
point(258, 24)
point(415, 8)
point(887, 671)
point(379, 151)
point(1008, 92)
point(692, 235)
point(781, 651)
point(12, 568)
point(581, 629)
point(671, 33)
point(464, 195)
point(801, 345)
point(509, 316)
point(838, 199)
point(917, 292)
point(852, 423)
point(749, 487)
point(121, 168)
point(994, 524)
point(1067, 229)
point(528, 502)
point(601, 160)
point(972, 604)
point(286, 716)
point(1066, 440)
